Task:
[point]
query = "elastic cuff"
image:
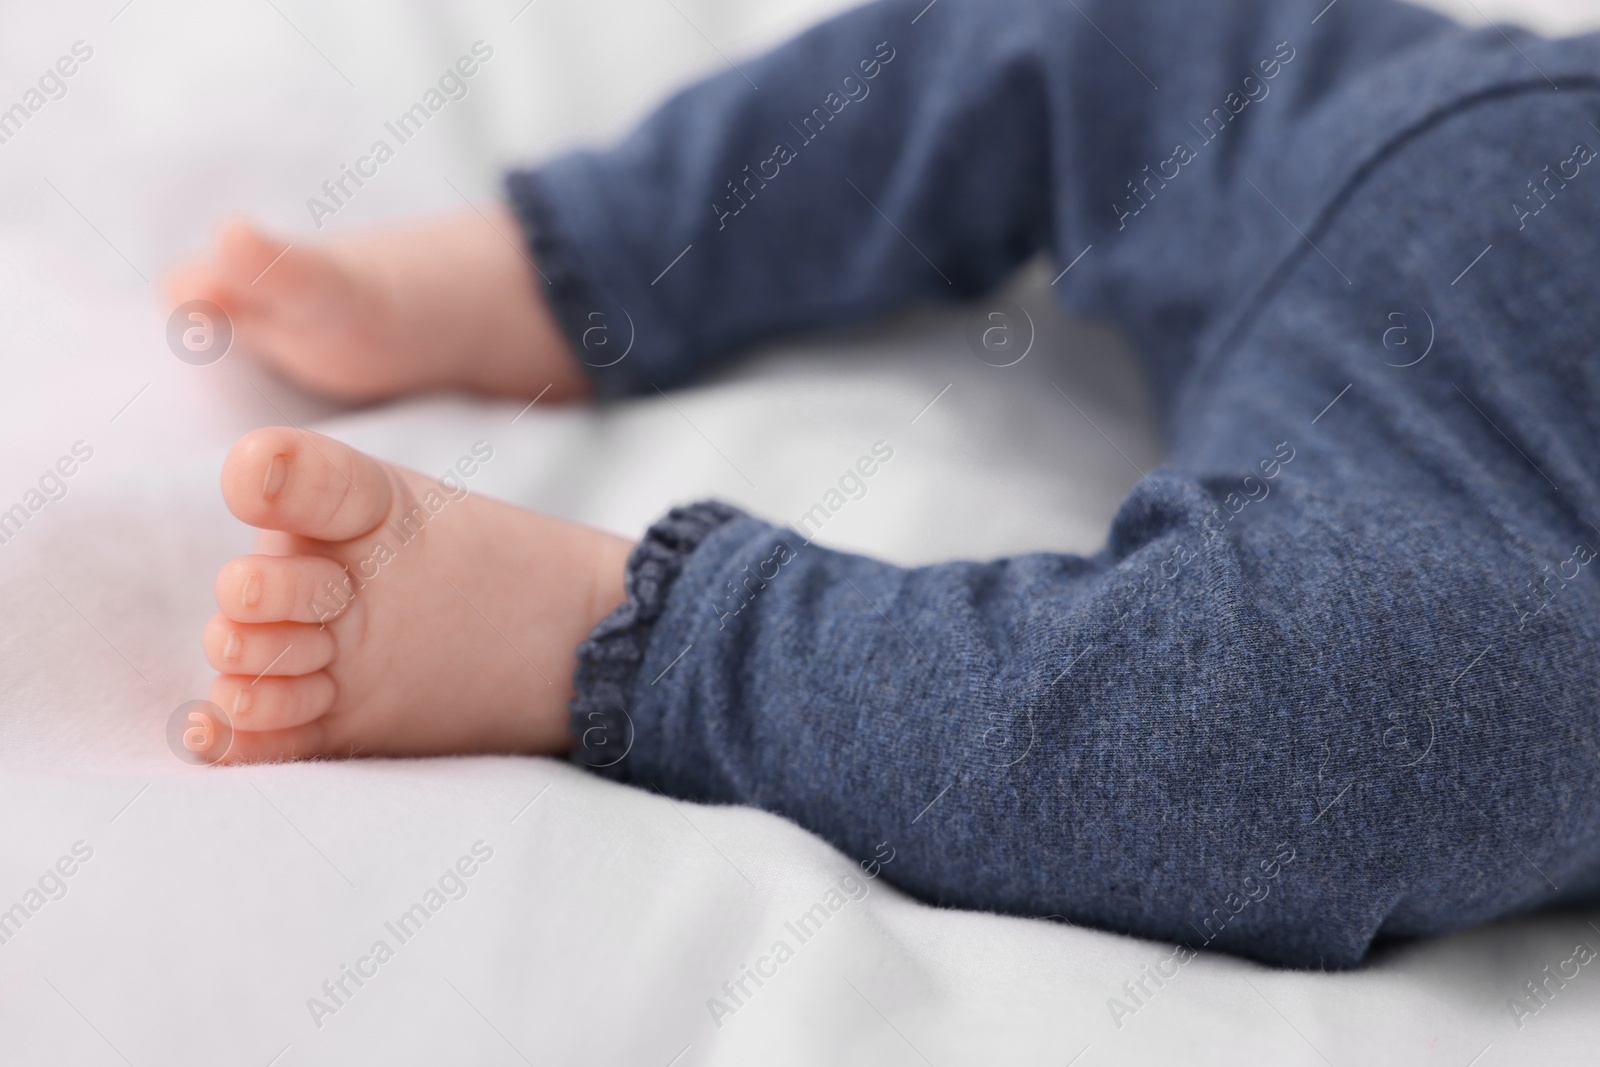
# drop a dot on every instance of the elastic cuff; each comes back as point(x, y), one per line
point(568, 291)
point(608, 662)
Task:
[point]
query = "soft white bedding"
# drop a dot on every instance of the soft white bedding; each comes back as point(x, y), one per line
point(205, 908)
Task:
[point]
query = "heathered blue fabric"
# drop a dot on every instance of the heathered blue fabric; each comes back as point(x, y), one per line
point(1334, 677)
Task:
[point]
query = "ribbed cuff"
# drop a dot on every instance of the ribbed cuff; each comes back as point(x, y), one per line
point(608, 662)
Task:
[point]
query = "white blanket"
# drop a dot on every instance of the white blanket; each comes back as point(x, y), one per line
point(161, 913)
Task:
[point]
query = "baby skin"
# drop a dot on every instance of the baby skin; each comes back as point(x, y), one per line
point(464, 639)
point(449, 303)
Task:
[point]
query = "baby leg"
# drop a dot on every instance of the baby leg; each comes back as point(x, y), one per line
point(1331, 680)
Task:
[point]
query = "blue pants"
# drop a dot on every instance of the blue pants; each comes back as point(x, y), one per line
point(1334, 677)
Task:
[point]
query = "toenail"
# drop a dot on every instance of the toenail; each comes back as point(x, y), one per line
point(252, 591)
point(241, 702)
point(231, 650)
point(277, 474)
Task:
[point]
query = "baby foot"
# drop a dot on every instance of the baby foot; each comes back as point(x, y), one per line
point(392, 614)
point(449, 303)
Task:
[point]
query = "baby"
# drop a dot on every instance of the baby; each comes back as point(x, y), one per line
point(1298, 704)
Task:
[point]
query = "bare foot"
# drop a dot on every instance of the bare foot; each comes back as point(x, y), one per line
point(452, 302)
point(393, 614)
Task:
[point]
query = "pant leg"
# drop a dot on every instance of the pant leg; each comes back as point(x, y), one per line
point(1332, 679)
point(905, 151)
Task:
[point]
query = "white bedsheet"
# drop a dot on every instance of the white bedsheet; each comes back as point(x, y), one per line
point(206, 907)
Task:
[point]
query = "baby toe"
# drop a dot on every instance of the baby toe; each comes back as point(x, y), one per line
point(245, 253)
point(272, 703)
point(283, 589)
point(283, 649)
point(303, 483)
point(194, 281)
point(272, 746)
